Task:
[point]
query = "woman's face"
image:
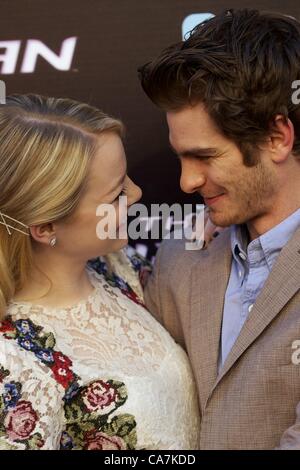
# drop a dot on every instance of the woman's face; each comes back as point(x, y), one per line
point(107, 181)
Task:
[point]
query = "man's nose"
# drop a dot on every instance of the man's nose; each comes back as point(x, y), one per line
point(192, 178)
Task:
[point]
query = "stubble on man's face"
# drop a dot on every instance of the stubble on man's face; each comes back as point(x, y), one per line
point(249, 195)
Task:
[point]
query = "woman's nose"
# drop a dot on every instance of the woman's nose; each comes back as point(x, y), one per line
point(135, 193)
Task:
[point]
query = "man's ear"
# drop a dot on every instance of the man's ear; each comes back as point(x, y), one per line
point(281, 138)
point(42, 233)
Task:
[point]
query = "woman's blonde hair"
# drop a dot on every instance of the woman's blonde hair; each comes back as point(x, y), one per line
point(46, 145)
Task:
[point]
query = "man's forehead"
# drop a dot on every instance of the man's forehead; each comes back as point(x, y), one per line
point(192, 127)
point(189, 120)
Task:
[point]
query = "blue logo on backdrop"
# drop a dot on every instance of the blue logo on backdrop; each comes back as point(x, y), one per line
point(192, 20)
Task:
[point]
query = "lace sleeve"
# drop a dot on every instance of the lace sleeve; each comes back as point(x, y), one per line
point(31, 406)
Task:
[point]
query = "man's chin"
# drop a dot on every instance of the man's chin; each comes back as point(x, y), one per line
point(224, 220)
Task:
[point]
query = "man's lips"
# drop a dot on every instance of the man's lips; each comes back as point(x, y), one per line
point(211, 200)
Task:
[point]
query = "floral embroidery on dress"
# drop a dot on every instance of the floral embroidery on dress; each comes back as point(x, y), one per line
point(88, 409)
point(142, 266)
point(30, 338)
point(88, 423)
point(18, 419)
point(3, 374)
point(114, 280)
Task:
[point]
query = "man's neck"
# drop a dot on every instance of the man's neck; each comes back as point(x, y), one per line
point(280, 211)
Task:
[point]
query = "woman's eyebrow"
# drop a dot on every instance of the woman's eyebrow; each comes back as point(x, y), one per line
point(120, 181)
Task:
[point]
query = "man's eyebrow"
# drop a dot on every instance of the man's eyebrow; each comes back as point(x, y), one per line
point(196, 152)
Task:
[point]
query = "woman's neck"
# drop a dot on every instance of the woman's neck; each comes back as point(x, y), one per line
point(56, 281)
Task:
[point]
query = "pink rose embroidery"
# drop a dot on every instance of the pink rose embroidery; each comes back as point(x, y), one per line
point(99, 396)
point(20, 421)
point(96, 440)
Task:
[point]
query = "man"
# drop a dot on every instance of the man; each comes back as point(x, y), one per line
point(235, 125)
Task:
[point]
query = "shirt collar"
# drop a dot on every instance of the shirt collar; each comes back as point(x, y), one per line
point(270, 242)
point(275, 239)
point(239, 241)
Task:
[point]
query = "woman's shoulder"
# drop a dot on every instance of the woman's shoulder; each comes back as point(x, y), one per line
point(9, 345)
point(25, 346)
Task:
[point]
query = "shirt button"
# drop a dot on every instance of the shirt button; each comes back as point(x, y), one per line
point(240, 273)
point(243, 256)
point(250, 308)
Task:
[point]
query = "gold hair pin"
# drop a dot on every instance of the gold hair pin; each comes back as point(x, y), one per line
point(8, 227)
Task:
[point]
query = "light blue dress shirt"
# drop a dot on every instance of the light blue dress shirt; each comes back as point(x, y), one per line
point(251, 265)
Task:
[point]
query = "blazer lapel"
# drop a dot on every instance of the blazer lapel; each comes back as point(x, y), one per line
point(207, 300)
point(281, 285)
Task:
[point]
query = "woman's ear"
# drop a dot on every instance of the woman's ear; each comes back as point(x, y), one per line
point(42, 233)
point(281, 138)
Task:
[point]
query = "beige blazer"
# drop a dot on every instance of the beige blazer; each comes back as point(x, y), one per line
point(252, 403)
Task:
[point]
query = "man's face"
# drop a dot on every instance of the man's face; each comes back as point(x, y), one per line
point(213, 166)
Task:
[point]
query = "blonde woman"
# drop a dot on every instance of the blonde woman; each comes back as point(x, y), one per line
point(83, 365)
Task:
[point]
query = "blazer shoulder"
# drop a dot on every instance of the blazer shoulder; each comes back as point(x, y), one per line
point(171, 252)
point(182, 248)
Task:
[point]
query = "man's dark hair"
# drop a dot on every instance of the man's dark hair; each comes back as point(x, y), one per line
point(241, 65)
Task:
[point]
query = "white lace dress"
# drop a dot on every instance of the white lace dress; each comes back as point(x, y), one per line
point(102, 374)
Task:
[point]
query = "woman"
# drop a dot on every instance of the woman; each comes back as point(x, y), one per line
point(83, 365)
